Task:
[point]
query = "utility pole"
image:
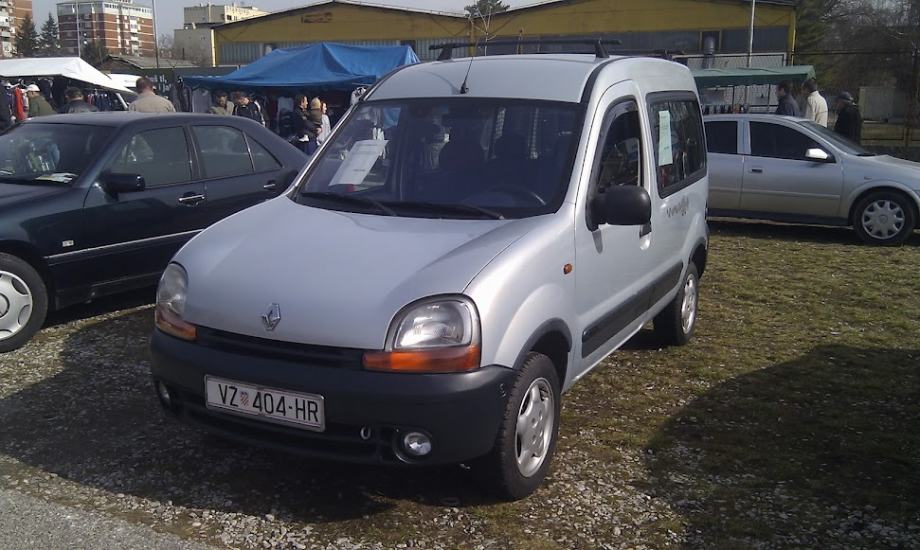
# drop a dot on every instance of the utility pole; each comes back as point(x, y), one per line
point(751, 34)
point(156, 42)
point(76, 18)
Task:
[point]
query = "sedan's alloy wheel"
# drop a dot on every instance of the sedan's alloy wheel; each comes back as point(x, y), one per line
point(15, 304)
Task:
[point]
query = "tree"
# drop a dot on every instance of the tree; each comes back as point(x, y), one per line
point(49, 42)
point(27, 40)
point(485, 8)
point(94, 52)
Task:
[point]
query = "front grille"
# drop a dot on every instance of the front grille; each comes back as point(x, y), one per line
point(320, 356)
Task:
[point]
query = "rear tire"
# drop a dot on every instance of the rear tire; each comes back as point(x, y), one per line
point(884, 218)
point(526, 439)
point(23, 302)
point(677, 321)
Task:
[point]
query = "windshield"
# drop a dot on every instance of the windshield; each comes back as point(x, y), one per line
point(838, 140)
point(448, 158)
point(48, 153)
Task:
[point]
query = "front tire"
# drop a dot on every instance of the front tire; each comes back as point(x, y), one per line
point(677, 321)
point(884, 218)
point(526, 439)
point(23, 302)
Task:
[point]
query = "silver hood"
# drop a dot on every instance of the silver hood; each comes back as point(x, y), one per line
point(338, 277)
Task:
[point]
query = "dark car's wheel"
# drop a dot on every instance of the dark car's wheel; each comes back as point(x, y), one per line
point(23, 302)
point(884, 218)
point(676, 322)
point(526, 438)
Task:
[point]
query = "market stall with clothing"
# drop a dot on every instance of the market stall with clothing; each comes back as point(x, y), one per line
point(745, 89)
point(278, 82)
point(51, 77)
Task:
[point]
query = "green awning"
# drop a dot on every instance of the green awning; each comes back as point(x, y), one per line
point(742, 76)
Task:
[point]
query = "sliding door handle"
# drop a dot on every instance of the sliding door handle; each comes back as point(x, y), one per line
point(757, 170)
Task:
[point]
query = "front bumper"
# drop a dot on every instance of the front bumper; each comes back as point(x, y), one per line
point(461, 412)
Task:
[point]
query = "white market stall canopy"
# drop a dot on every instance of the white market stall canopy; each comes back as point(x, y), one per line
point(68, 67)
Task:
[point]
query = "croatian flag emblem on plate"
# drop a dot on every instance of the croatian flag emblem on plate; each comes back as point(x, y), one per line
point(244, 398)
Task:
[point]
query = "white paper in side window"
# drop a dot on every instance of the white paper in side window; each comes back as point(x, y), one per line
point(665, 154)
point(359, 162)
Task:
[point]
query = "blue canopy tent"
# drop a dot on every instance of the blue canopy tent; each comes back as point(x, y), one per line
point(324, 66)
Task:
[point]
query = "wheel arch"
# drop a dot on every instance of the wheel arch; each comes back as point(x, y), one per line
point(29, 254)
point(554, 340)
point(699, 257)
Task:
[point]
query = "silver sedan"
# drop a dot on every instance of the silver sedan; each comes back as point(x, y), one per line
point(793, 170)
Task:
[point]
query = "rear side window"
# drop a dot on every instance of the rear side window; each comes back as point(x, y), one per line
point(778, 141)
point(262, 160)
point(161, 156)
point(678, 143)
point(222, 151)
point(722, 137)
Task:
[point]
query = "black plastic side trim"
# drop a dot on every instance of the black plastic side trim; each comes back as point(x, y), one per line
point(614, 322)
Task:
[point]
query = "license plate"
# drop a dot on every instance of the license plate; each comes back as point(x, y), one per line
point(300, 410)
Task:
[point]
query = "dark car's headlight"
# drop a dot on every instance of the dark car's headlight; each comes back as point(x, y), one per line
point(432, 336)
point(170, 308)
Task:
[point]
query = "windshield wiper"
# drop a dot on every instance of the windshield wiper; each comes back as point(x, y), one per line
point(454, 208)
point(349, 199)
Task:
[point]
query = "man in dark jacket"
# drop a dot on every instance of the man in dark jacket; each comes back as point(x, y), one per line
point(247, 108)
point(75, 103)
point(787, 105)
point(849, 121)
point(6, 115)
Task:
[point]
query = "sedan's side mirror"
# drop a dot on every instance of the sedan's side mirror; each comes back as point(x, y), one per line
point(817, 155)
point(623, 205)
point(123, 183)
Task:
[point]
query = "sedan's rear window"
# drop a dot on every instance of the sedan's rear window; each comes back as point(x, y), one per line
point(49, 153)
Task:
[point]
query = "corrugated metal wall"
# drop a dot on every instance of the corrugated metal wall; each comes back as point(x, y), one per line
point(241, 53)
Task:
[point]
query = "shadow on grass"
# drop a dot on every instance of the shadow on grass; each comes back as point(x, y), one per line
point(790, 232)
point(789, 452)
point(98, 423)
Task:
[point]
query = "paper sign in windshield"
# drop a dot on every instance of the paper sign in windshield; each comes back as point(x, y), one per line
point(359, 162)
point(665, 154)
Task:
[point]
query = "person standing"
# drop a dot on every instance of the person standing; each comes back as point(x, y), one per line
point(38, 105)
point(221, 105)
point(247, 108)
point(6, 114)
point(787, 105)
point(849, 121)
point(148, 101)
point(326, 126)
point(305, 129)
point(816, 108)
point(75, 102)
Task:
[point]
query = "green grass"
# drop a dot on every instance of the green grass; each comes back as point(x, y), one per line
point(791, 419)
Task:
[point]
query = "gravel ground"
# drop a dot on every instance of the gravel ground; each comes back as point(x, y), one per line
point(723, 443)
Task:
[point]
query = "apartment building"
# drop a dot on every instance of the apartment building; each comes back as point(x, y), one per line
point(124, 27)
point(12, 12)
point(195, 40)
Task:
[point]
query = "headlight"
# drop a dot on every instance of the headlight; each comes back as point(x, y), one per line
point(438, 335)
point(170, 308)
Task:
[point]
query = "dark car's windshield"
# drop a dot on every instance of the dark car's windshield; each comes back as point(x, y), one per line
point(448, 158)
point(49, 153)
point(838, 140)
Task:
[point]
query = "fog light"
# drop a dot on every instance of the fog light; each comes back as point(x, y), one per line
point(416, 444)
point(164, 395)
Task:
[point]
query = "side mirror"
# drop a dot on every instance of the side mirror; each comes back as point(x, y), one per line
point(122, 183)
point(817, 155)
point(623, 205)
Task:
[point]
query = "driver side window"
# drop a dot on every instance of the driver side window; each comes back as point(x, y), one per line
point(618, 160)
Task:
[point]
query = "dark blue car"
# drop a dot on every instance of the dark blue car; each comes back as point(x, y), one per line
point(95, 204)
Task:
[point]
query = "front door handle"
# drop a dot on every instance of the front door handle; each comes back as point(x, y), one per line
point(757, 170)
point(191, 199)
point(270, 186)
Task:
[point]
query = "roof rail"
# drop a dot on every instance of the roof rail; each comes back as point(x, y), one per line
point(447, 50)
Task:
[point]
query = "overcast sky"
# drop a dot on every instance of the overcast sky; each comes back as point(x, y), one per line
point(169, 12)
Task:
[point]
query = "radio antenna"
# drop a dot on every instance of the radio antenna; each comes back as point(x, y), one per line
point(464, 89)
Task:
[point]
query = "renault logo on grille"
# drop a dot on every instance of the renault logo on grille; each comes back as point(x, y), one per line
point(272, 317)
